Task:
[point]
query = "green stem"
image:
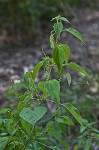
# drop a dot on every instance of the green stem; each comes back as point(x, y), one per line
point(42, 144)
point(28, 140)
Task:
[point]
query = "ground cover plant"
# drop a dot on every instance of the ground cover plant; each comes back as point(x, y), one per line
point(29, 124)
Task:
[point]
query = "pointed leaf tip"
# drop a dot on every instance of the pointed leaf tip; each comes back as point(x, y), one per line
point(75, 33)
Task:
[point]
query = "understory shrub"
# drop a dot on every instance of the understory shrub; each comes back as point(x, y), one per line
point(30, 124)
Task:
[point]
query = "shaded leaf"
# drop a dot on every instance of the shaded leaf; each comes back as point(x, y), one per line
point(88, 144)
point(26, 126)
point(7, 122)
point(3, 111)
point(56, 57)
point(3, 142)
point(41, 86)
point(53, 88)
point(65, 120)
point(68, 76)
point(33, 116)
point(55, 148)
point(73, 110)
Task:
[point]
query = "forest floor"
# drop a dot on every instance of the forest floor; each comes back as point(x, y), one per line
point(16, 59)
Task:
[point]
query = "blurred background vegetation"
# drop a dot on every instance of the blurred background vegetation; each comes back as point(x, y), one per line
point(25, 16)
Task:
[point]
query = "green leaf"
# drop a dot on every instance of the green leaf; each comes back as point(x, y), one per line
point(56, 58)
point(53, 88)
point(3, 111)
point(3, 142)
point(77, 67)
point(65, 143)
point(73, 110)
point(36, 69)
point(23, 103)
point(56, 18)
point(60, 18)
point(41, 86)
point(77, 147)
point(25, 78)
point(64, 52)
point(75, 33)
point(58, 27)
point(64, 19)
point(68, 76)
point(33, 116)
point(60, 54)
point(87, 145)
point(7, 122)
point(26, 126)
point(55, 148)
point(65, 120)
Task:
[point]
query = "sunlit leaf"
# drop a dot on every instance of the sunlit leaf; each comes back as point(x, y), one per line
point(64, 19)
point(75, 33)
point(36, 69)
point(77, 67)
point(58, 27)
point(64, 52)
point(60, 18)
point(61, 54)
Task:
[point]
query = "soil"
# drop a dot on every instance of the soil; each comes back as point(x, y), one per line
point(16, 59)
